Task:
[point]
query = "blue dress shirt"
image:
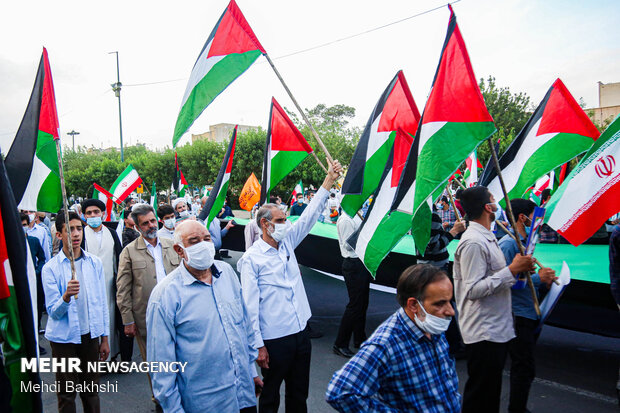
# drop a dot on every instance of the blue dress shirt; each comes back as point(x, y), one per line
point(217, 233)
point(205, 325)
point(398, 369)
point(63, 324)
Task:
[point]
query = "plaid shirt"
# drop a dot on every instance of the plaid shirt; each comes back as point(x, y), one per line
point(397, 369)
point(447, 215)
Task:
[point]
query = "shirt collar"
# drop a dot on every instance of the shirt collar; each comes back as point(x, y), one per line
point(264, 247)
point(62, 256)
point(415, 330)
point(190, 279)
point(149, 245)
point(482, 230)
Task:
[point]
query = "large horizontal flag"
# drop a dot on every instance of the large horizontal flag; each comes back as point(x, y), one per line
point(285, 148)
point(125, 184)
point(395, 108)
point(215, 202)
point(591, 193)
point(381, 230)
point(299, 189)
point(471, 172)
point(18, 326)
point(106, 197)
point(32, 160)
point(455, 121)
point(558, 131)
point(229, 51)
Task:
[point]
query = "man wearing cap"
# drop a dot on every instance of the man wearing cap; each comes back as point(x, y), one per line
point(103, 242)
point(180, 208)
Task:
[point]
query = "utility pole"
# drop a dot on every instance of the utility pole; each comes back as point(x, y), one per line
point(116, 87)
point(72, 134)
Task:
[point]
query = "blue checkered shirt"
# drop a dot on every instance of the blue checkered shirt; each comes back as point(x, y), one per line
point(397, 369)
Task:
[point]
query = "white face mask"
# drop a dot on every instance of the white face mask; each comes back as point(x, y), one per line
point(184, 214)
point(432, 324)
point(31, 217)
point(169, 223)
point(279, 232)
point(200, 256)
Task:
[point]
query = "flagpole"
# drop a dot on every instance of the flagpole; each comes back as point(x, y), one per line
point(457, 214)
point(511, 218)
point(66, 209)
point(303, 115)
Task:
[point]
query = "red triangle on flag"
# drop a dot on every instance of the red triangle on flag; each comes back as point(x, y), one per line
point(455, 96)
point(402, 146)
point(183, 180)
point(399, 109)
point(564, 115)
point(284, 134)
point(48, 118)
point(233, 34)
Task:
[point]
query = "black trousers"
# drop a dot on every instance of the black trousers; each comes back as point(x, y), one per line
point(485, 363)
point(353, 322)
point(289, 361)
point(522, 366)
point(87, 350)
point(125, 343)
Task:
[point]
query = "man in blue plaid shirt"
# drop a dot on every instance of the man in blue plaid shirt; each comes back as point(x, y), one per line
point(404, 365)
point(448, 217)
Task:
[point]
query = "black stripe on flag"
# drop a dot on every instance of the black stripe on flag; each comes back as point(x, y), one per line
point(264, 185)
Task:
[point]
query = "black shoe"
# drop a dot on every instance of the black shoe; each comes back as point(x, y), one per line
point(343, 351)
point(314, 333)
point(42, 351)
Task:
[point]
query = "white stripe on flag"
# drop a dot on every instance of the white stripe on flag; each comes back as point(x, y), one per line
point(39, 174)
point(200, 70)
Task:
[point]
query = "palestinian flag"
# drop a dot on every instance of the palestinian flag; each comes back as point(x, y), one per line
point(558, 131)
point(299, 189)
point(179, 183)
point(154, 197)
point(455, 121)
point(125, 184)
point(229, 51)
point(534, 192)
point(591, 193)
point(104, 196)
point(32, 160)
point(215, 202)
point(471, 172)
point(396, 108)
point(382, 229)
point(18, 325)
point(285, 149)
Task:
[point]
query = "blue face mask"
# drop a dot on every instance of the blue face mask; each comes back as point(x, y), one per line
point(94, 222)
point(527, 228)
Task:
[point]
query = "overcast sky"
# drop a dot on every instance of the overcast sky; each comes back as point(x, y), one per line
point(526, 45)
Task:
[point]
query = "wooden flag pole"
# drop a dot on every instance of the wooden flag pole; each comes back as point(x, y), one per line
point(457, 214)
point(511, 218)
point(303, 115)
point(66, 208)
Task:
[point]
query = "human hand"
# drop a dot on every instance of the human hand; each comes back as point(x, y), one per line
point(521, 263)
point(333, 173)
point(104, 349)
point(73, 288)
point(130, 330)
point(459, 226)
point(263, 357)
point(258, 386)
point(547, 276)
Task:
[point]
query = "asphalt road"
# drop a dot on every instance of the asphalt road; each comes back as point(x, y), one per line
point(576, 372)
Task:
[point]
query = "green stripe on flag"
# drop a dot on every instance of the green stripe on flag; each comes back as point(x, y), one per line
point(283, 163)
point(219, 203)
point(390, 231)
point(210, 86)
point(46, 151)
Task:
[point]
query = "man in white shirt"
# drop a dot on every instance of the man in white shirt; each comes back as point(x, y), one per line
point(276, 300)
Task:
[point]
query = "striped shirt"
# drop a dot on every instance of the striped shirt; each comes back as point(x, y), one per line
point(397, 369)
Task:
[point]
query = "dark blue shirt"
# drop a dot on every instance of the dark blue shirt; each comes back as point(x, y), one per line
point(298, 209)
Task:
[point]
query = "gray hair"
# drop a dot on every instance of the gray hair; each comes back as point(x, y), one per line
point(140, 210)
point(265, 212)
point(177, 238)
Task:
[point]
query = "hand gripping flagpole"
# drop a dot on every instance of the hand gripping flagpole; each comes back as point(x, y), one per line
point(303, 115)
point(511, 218)
point(66, 207)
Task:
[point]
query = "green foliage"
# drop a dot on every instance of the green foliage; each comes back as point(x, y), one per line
point(201, 161)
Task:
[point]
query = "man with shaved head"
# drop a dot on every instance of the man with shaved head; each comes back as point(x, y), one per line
point(197, 315)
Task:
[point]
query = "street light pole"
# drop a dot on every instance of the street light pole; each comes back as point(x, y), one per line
point(116, 87)
point(72, 134)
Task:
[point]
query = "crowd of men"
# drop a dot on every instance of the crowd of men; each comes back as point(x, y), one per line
point(158, 278)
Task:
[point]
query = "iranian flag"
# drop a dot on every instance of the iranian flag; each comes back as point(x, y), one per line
point(558, 131)
point(455, 121)
point(299, 189)
point(106, 197)
point(395, 109)
point(32, 160)
point(154, 197)
point(382, 229)
point(471, 172)
point(591, 193)
point(216, 199)
point(229, 51)
point(284, 150)
point(125, 184)
point(18, 299)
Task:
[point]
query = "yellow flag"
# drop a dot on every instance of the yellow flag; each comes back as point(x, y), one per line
point(250, 194)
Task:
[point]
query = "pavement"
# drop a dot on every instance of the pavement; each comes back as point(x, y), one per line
point(576, 372)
